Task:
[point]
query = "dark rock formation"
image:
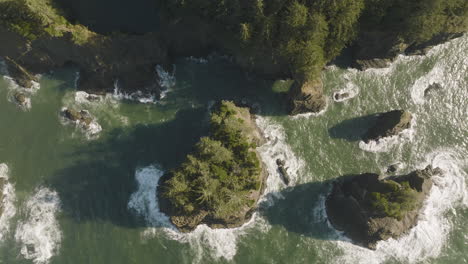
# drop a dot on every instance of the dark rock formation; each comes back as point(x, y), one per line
point(22, 77)
point(352, 207)
point(389, 124)
point(433, 87)
point(283, 171)
point(378, 49)
point(20, 98)
point(82, 117)
point(341, 96)
point(306, 96)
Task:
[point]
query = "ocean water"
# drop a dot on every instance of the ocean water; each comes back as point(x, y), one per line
point(76, 195)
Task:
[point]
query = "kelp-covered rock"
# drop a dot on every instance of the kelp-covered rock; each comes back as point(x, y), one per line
point(370, 209)
point(220, 183)
point(389, 124)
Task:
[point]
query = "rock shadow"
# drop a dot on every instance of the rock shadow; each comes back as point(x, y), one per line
point(301, 210)
point(353, 129)
point(98, 184)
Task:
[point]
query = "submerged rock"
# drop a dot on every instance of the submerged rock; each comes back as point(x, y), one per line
point(369, 209)
point(433, 87)
point(306, 97)
point(389, 124)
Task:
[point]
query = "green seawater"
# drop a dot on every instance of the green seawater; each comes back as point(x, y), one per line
point(76, 198)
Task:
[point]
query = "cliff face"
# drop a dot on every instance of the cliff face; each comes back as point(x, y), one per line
point(221, 181)
point(370, 209)
point(377, 49)
point(389, 124)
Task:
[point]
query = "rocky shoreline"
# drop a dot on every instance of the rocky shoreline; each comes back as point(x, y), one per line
point(131, 59)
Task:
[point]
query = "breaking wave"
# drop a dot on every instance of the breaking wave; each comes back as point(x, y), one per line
point(427, 239)
point(7, 196)
point(208, 242)
point(387, 143)
point(39, 234)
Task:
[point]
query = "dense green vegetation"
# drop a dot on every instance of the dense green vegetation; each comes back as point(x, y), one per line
point(416, 20)
point(222, 172)
point(35, 18)
point(396, 201)
point(306, 34)
point(303, 35)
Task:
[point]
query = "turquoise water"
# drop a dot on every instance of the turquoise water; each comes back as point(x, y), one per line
point(82, 198)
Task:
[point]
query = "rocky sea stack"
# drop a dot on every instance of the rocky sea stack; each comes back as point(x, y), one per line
point(370, 209)
point(220, 183)
point(389, 124)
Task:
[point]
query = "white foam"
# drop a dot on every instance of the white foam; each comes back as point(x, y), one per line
point(166, 80)
point(312, 114)
point(39, 233)
point(136, 96)
point(277, 148)
point(427, 239)
point(145, 201)
point(82, 97)
point(7, 206)
point(14, 88)
point(216, 242)
point(351, 89)
point(387, 143)
point(91, 131)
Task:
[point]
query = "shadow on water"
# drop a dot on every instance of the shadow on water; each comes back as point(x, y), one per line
point(220, 79)
point(301, 210)
point(353, 129)
point(100, 182)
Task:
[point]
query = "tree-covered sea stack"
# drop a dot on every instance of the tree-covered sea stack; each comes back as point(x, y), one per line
point(221, 181)
point(369, 208)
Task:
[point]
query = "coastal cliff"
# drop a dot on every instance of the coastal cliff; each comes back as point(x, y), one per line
point(274, 40)
point(220, 183)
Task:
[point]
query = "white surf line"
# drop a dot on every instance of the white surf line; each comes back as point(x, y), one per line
point(7, 206)
point(215, 243)
point(427, 239)
point(39, 233)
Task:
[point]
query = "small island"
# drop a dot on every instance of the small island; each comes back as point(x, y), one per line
point(369, 208)
point(221, 181)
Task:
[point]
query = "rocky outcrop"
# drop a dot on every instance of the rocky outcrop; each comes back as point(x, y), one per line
point(283, 170)
point(22, 77)
point(377, 49)
point(431, 89)
point(369, 209)
point(211, 172)
point(82, 117)
point(306, 97)
point(389, 124)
